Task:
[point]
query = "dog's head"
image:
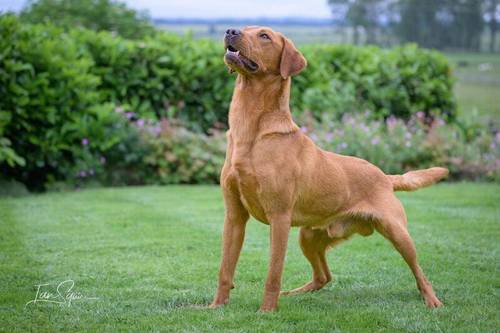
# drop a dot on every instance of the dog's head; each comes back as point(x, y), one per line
point(256, 51)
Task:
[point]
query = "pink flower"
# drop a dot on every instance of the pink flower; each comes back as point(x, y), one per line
point(85, 141)
point(440, 122)
point(420, 114)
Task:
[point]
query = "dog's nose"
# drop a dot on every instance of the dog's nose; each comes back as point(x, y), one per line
point(233, 32)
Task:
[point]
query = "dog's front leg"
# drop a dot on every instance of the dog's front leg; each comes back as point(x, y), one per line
point(280, 228)
point(235, 221)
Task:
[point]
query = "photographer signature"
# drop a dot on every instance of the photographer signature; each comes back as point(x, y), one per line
point(63, 294)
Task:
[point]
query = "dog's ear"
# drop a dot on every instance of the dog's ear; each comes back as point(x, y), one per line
point(292, 61)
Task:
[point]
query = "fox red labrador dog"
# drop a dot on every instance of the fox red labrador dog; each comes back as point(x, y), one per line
point(278, 175)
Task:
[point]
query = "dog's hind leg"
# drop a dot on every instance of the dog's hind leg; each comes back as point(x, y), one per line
point(314, 243)
point(393, 227)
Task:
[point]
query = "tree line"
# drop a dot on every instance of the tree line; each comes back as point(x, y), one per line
point(441, 24)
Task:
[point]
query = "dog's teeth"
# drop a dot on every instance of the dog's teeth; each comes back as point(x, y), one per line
point(237, 53)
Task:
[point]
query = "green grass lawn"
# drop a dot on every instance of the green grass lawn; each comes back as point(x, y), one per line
point(151, 256)
point(477, 87)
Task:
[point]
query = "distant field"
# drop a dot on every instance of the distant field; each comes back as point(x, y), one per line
point(478, 85)
point(301, 34)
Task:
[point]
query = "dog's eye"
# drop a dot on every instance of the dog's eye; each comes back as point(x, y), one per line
point(264, 36)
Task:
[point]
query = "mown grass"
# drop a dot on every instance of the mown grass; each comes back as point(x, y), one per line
point(151, 255)
point(477, 86)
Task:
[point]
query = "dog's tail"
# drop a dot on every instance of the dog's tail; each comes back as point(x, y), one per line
point(414, 180)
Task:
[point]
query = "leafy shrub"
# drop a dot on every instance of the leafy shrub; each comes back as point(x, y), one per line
point(162, 76)
point(401, 81)
point(50, 102)
point(174, 77)
point(96, 15)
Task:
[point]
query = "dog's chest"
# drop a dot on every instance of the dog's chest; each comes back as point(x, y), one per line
point(242, 173)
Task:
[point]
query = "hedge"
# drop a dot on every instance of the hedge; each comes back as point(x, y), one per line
point(59, 90)
point(171, 76)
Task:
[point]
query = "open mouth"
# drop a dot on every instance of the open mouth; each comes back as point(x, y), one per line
point(233, 55)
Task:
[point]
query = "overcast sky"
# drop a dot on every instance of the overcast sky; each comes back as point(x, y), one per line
point(217, 8)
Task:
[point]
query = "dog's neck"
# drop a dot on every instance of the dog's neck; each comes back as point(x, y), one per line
point(260, 106)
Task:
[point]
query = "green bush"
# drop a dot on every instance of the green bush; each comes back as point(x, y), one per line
point(49, 103)
point(162, 76)
point(175, 77)
point(75, 105)
point(401, 81)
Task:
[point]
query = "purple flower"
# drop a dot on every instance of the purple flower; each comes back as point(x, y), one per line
point(303, 129)
point(82, 174)
point(85, 141)
point(129, 115)
point(154, 130)
point(391, 121)
point(118, 109)
point(341, 146)
point(314, 137)
point(140, 122)
point(329, 137)
point(407, 135)
point(420, 114)
point(375, 141)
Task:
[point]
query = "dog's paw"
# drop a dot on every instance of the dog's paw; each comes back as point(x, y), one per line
point(266, 309)
point(433, 302)
point(217, 304)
